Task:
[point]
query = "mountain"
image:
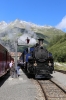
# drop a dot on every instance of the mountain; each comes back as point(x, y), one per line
point(9, 32)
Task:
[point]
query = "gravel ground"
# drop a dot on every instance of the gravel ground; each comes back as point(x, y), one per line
point(60, 78)
point(23, 88)
point(20, 88)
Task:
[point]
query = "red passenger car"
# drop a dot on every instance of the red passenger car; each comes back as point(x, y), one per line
point(5, 59)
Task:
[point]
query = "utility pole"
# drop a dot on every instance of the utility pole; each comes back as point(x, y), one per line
point(16, 43)
point(15, 58)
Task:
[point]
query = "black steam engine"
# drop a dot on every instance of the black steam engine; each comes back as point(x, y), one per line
point(37, 60)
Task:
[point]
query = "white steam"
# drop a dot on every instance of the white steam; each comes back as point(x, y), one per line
point(28, 33)
point(22, 40)
point(11, 33)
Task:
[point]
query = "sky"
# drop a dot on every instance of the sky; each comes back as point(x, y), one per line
point(40, 12)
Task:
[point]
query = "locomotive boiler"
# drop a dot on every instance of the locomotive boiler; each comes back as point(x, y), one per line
point(37, 60)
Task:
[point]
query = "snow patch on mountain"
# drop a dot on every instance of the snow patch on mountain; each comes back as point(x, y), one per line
point(3, 25)
point(21, 24)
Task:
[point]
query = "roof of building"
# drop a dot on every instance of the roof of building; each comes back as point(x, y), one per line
point(13, 54)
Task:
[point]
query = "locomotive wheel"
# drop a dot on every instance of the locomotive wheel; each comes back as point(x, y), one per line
point(26, 67)
point(35, 76)
point(28, 72)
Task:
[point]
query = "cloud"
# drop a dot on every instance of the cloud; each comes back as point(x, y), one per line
point(62, 24)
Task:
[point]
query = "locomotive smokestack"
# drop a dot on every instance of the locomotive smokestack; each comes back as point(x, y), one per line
point(40, 41)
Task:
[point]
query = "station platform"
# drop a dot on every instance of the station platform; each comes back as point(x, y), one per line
point(60, 79)
point(24, 88)
point(21, 88)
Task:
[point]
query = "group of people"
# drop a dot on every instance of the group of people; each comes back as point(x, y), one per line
point(14, 70)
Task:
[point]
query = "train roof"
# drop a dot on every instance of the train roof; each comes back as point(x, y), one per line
point(3, 47)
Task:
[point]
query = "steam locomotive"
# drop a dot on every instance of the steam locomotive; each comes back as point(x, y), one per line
point(37, 60)
point(5, 59)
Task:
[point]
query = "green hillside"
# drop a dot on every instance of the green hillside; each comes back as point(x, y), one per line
point(58, 48)
point(48, 34)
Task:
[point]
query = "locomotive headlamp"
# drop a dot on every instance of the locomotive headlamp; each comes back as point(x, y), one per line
point(49, 63)
point(35, 64)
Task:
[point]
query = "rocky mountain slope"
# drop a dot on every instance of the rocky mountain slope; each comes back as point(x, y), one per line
point(9, 32)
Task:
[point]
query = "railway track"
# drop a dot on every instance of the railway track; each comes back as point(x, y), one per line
point(51, 90)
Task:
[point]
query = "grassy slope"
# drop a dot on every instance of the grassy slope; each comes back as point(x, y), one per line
point(48, 34)
point(59, 49)
point(60, 66)
point(60, 45)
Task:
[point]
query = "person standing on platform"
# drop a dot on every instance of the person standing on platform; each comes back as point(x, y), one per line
point(12, 69)
point(17, 69)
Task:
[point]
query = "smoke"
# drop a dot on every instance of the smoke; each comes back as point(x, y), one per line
point(22, 40)
point(27, 33)
point(7, 38)
point(10, 35)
